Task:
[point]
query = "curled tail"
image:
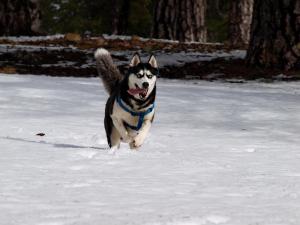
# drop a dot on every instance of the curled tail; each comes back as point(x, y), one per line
point(107, 70)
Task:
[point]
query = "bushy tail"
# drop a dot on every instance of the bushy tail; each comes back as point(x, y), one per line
point(109, 73)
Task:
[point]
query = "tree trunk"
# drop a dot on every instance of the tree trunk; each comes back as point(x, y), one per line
point(180, 20)
point(120, 16)
point(240, 19)
point(275, 34)
point(19, 17)
point(35, 16)
point(115, 16)
point(124, 17)
point(214, 10)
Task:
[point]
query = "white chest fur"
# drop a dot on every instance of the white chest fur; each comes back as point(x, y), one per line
point(124, 116)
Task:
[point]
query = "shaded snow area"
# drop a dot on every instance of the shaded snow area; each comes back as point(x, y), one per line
point(181, 58)
point(217, 153)
point(32, 38)
point(165, 58)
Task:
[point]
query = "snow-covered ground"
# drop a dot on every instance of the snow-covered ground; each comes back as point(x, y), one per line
point(164, 58)
point(218, 153)
point(32, 38)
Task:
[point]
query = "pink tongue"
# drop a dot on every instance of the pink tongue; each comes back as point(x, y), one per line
point(134, 91)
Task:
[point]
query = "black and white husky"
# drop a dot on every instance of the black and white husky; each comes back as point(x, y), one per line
point(130, 107)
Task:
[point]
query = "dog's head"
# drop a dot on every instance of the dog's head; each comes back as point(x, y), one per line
point(142, 77)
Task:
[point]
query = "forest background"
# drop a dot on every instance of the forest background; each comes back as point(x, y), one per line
point(96, 17)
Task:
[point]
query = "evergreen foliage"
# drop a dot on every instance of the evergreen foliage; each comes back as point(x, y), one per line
point(62, 16)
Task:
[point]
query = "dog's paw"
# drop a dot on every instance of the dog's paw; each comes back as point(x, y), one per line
point(137, 142)
point(133, 146)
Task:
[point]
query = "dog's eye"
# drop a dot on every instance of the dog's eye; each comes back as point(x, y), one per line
point(150, 76)
point(139, 75)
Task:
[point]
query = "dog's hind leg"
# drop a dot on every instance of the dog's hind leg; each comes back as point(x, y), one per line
point(113, 136)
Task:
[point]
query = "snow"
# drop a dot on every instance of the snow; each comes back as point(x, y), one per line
point(106, 36)
point(115, 37)
point(165, 58)
point(7, 48)
point(126, 38)
point(218, 153)
point(181, 58)
point(32, 38)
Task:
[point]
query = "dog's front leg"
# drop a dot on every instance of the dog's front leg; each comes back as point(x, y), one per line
point(121, 129)
point(140, 138)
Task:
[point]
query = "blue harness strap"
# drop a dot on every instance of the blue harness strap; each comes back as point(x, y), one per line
point(141, 115)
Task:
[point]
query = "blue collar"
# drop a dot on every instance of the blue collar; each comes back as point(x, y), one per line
point(141, 115)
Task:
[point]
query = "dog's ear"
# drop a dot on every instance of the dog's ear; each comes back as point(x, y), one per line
point(152, 61)
point(135, 60)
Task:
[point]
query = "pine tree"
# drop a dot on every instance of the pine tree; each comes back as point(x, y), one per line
point(275, 34)
point(180, 20)
point(120, 16)
point(19, 17)
point(214, 9)
point(240, 18)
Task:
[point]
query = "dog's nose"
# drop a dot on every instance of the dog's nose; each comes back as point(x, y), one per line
point(145, 85)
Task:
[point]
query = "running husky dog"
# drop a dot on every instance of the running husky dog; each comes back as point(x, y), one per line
point(129, 109)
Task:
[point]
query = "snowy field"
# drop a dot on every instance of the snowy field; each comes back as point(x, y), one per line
point(218, 153)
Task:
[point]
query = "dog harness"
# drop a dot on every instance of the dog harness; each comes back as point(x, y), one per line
point(141, 115)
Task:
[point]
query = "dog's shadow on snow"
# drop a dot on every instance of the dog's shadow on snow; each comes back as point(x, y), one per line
point(55, 145)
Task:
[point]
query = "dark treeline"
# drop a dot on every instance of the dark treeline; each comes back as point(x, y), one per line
point(187, 20)
point(97, 17)
point(124, 17)
point(270, 29)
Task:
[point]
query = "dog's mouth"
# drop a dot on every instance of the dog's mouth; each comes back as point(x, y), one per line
point(142, 92)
